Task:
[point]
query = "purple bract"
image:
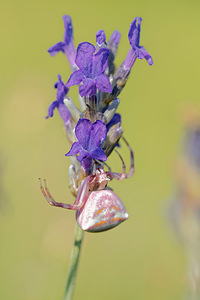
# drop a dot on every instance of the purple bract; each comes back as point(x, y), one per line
point(115, 38)
point(116, 119)
point(91, 69)
point(100, 37)
point(90, 137)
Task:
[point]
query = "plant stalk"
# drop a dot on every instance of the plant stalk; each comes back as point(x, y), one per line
point(73, 265)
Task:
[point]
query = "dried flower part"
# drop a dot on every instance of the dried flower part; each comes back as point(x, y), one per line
point(93, 115)
point(112, 140)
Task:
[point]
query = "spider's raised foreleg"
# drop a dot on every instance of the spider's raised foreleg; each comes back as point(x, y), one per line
point(80, 199)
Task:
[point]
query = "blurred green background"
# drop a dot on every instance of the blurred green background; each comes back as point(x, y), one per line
point(141, 259)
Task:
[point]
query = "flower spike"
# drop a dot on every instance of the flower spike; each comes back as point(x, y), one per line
point(94, 131)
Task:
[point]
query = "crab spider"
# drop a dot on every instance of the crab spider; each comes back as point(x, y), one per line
point(97, 207)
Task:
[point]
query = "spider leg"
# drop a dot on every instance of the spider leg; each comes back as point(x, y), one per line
point(84, 192)
point(44, 193)
point(102, 164)
point(131, 171)
point(80, 199)
point(109, 168)
point(123, 175)
point(72, 181)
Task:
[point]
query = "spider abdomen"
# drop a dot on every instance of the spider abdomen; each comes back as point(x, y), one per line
point(102, 210)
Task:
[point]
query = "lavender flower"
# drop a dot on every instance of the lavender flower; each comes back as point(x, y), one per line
point(62, 91)
point(136, 51)
point(90, 137)
point(91, 69)
point(67, 46)
point(123, 71)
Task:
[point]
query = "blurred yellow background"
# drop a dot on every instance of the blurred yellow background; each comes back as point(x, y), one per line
point(141, 259)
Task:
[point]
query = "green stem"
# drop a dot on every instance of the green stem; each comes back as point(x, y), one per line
point(71, 278)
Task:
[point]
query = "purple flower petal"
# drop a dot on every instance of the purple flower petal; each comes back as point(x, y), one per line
point(87, 163)
point(100, 62)
point(134, 32)
point(82, 131)
point(75, 149)
point(62, 90)
point(97, 135)
point(91, 66)
point(88, 88)
point(64, 112)
point(98, 153)
point(53, 50)
point(51, 108)
point(89, 136)
point(100, 37)
point(82, 155)
point(75, 78)
point(142, 53)
point(134, 39)
point(68, 34)
point(103, 83)
point(84, 57)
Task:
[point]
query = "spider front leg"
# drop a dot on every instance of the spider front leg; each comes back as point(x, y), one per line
point(80, 199)
point(123, 175)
